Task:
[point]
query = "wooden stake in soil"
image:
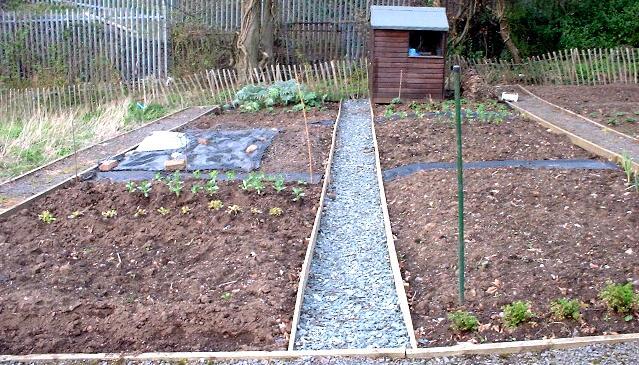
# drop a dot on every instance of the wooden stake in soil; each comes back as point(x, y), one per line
point(308, 137)
point(401, 79)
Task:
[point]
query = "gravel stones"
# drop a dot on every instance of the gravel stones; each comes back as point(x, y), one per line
point(350, 300)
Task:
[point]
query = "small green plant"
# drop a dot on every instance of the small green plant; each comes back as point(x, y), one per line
point(245, 185)
point(565, 308)
point(111, 213)
point(215, 205)
point(175, 184)
point(75, 214)
point(231, 175)
point(211, 187)
point(517, 313)
point(145, 188)
point(163, 211)
point(462, 321)
point(298, 194)
point(139, 212)
point(613, 122)
point(234, 210)
point(620, 298)
point(185, 210)
point(626, 164)
point(213, 175)
point(130, 187)
point(402, 115)
point(226, 296)
point(278, 184)
point(275, 212)
point(196, 188)
point(389, 111)
point(46, 217)
point(396, 101)
point(197, 174)
point(256, 211)
point(158, 177)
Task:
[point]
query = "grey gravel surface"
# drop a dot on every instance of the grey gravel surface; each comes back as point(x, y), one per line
point(350, 300)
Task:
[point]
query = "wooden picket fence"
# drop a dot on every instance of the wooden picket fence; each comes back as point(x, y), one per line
point(565, 67)
point(336, 79)
point(105, 40)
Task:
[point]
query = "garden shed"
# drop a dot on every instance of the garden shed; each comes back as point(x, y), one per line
point(407, 53)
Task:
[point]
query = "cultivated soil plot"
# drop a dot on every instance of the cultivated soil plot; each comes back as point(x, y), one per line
point(432, 139)
point(117, 271)
point(616, 106)
point(532, 235)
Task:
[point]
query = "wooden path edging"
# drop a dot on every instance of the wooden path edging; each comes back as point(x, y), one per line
point(390, 242)
point(306, 266)
point(575, 139)
point(576, 114)
point(26, 203)
point(423, 353)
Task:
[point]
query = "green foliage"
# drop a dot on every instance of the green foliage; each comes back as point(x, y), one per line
point(175, 184)
point(130, 187)
point(138, 112)
point(254, 181)
point(541, 26)
point(252, 98)
point(145, 188)
point(298, 194)
point(565, 308)
point(163, 211)
point(278, 184)
point(197, 174)
point(196, 188)
point(627, 165)
point(619, 298)
point(230, 175)
point(517, 313)
point(462, 321)
point(47, 217)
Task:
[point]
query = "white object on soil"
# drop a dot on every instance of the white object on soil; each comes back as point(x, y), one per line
point(161, 141)
point(514, 97)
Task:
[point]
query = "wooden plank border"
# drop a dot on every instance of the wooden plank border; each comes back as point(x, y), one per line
point(306, 266)
point(390, 242)
point(577, 114)
point(518, 346)
point(26, 203)
point(575, 139)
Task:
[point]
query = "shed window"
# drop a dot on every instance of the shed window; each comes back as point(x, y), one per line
point(425, 43)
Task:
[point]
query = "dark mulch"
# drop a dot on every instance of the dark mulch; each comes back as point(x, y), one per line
point(289, 151)
point(201, 281)
point(533, 235)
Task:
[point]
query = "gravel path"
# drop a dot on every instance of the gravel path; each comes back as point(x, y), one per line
point(350, 300)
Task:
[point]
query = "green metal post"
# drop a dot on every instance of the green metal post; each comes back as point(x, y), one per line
point(460, 183)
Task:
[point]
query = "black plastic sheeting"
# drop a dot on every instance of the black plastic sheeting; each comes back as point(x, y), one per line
point(226, 150)
point(401, 171)
point(125, 176)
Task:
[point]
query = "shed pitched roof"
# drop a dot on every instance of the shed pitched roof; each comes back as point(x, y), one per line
point(409, 18)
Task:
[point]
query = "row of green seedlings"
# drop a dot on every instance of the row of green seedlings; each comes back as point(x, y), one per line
point(619, 117)
point(253, 182)
point(618, 298)
point(632, 176)
point(490, 112)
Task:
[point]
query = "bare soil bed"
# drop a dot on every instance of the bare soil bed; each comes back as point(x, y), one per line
point(532, 235)
point(414, 139)
point(616, 106)
point(202, 280)
point(289, 152)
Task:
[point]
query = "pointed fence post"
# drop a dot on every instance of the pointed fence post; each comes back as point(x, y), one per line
point(460, 184)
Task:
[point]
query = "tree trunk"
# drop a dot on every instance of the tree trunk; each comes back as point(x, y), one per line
point(248, 40)
point(504, 30)
point(268, 32)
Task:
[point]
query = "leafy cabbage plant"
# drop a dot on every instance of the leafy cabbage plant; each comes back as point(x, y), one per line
point(252, 98)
